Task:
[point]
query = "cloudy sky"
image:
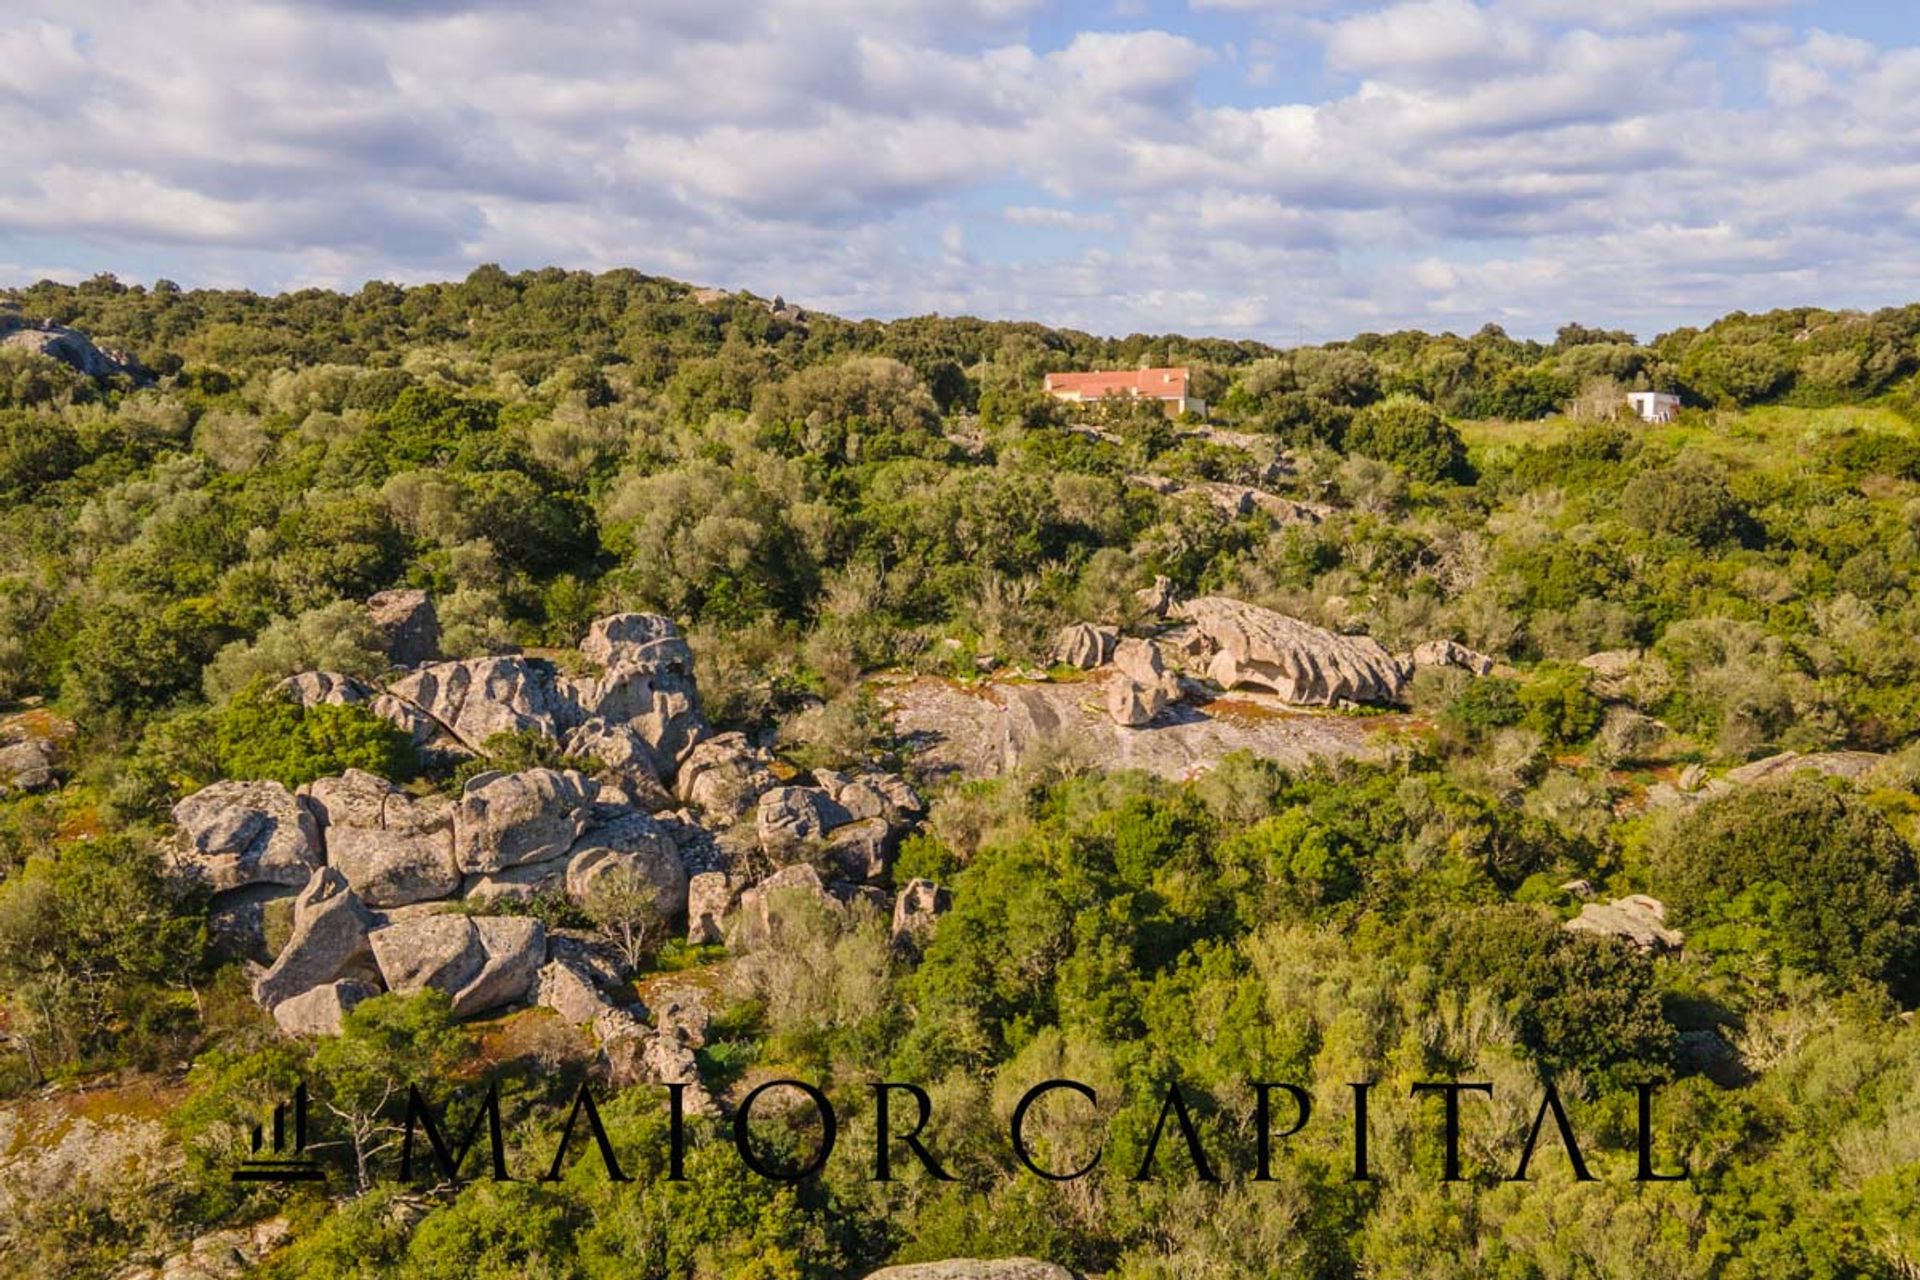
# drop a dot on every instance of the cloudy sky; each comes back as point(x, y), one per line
point(1286, 169)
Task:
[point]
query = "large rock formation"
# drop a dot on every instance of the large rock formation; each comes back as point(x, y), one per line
point(1637, 919)
point(480, 697)
point(1084, 645)
point(69, 346)
point(646, 682)
point(409, 625)
point(1302, 663)
point(329, 942)
point(509, 819)
point(480, 962)
point(980, 731)
point(234, 834)
point(392, 848)
point(630, 844)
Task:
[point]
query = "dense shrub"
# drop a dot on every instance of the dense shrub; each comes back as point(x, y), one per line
point(1412, 435)
point(1801, 872)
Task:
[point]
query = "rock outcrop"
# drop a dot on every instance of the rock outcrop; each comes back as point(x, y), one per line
point(1084, 645)
point(480, 697)
point(1302, 663)
point(1637, 919)
point(1451, 653)
point(509, 819)
point(392, 848)
point(630, 845)
point(70, 347)
point(320, 1011)
point(646, 682)
point(328, 943)
point(234, 834)
point(480, 962)
point(408, 624)
point(353, 871)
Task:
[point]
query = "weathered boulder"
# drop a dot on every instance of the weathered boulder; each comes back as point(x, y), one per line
point(505, 819)
point(1133, 704)
point(975, 1269)
point(1300, 662)
point(646, 682)
point(862, 850)
point(683, 1012)
point(392, 848)
point(326, 688)
point(631, 843)
point(872, 793)
point(790, 818)
point(724, 777)
point(618, 747)
point(241, 833)
point(480, 697)
point(480, 962)
point(26, 766)
point(709, 898)
point(1449, 653)
point(1849, 765)
point(522, 883)
point(70, 347)
point(1637, 918)
point(916, 910)
point(408, 625)
point(635, 637)
point(1144, 687)
point(569, 990)
point(1084, 645)
point(328, 942)
point(1157, 600)
point(798, 887)
point(319, 1012)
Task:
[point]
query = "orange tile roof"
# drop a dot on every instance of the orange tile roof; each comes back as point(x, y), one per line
point(1157, 384)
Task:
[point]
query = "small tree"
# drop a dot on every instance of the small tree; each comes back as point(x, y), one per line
point(384, 1045)
point(625, 906)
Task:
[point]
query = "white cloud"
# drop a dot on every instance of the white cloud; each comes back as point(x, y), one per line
point(1429, 38)
point(871, 156)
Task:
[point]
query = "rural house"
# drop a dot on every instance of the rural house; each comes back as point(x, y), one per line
point(1169, 386)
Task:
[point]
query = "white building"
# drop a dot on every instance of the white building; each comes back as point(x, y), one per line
point(1654, 406)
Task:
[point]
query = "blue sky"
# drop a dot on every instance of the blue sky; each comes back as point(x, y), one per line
point(1282, 169)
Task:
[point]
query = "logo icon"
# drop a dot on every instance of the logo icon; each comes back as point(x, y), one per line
point(285, 1164)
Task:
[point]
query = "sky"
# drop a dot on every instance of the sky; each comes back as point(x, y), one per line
point(1290, 170)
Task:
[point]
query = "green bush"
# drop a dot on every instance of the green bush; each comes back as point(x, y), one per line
point(1412, 435)
point(1802, 872)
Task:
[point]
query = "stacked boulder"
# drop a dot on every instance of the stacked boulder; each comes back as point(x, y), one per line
point(1257, 648)
point(351, 885)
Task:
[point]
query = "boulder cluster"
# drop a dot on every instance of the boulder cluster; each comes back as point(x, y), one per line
point(402, 890)
point(1236, 645)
